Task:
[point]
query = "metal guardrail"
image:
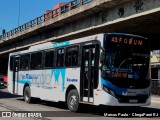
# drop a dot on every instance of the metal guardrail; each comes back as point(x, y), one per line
point(155, 88)
point(43, 18)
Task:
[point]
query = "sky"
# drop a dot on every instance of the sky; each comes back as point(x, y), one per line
point(11, 16)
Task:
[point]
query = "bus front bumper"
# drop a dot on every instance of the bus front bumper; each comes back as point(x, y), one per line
point(103, 98)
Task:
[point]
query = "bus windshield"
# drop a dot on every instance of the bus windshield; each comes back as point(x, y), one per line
point(126, 57)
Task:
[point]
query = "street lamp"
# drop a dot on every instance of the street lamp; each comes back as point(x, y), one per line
point(19, 11)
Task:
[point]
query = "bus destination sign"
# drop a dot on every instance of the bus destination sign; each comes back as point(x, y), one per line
point(128, 41)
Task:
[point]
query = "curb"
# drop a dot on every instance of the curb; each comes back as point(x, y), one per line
point(154, 101)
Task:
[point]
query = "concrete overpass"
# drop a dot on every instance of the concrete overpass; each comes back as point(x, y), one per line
point(87, 17)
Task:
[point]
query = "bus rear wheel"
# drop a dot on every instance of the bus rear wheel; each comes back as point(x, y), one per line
point(27, 95)
point(73, 100)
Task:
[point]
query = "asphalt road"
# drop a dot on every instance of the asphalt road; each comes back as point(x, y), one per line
point(45, 110)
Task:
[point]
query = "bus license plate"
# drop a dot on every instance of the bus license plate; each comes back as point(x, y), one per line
point(133, 101)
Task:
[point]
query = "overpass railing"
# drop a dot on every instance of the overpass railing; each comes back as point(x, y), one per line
point(45, 17)
point(155, 87)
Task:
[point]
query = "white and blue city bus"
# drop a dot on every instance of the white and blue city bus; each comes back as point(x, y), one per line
point(104, 69)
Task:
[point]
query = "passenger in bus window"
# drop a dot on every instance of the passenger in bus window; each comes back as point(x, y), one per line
point(27, 67)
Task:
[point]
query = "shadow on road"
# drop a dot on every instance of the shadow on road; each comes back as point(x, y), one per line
point(60, 105)
point(5, 94)
point(96, 111)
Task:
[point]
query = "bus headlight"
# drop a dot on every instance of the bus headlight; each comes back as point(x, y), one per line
point(112, 93)
point(105, 89)
point(109, 91)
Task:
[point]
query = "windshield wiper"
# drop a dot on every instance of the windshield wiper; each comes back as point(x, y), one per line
point(123, 63)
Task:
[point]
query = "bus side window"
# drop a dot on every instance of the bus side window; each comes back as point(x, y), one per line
point(27, 61)
point(24, 62)
point(60, 58)
point(49, 59)
point(33, 60)
point(11, 63)
point(71, 58)
point(75, 58)
point(36, 60)
point(39, 60)
point(68, 59)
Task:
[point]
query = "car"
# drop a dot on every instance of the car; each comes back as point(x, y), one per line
point(1, 85)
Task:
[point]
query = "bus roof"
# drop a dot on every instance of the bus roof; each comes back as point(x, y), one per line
point(40, 46)
point(51, 45)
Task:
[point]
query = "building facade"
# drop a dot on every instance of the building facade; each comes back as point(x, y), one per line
point(155, 72)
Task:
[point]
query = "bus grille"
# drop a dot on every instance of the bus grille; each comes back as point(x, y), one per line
point(130, 99)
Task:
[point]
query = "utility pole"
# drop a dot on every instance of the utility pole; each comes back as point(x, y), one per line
point(19, 11)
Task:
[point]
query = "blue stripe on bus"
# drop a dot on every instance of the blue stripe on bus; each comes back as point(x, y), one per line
point(116, 89)
point(24, 81)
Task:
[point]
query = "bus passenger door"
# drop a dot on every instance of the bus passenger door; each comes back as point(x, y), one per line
point(89, 72)
point(15, 75)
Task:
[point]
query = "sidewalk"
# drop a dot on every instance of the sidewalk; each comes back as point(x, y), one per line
point(155, 99)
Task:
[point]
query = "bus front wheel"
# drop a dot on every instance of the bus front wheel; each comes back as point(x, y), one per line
point(27, 94)
point(73, 100)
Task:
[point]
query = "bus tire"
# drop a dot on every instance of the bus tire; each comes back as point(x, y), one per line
point(27, 94)
point(73, 100)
